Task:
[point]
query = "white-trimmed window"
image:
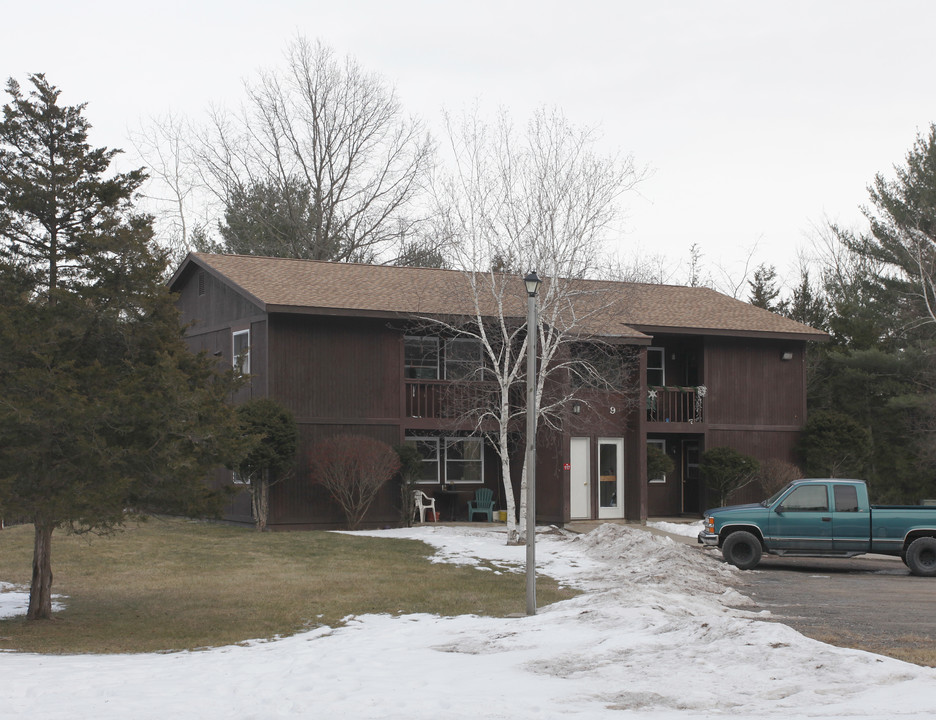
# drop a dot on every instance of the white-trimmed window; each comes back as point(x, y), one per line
point(458, 460)
point(428, 449)
point(656, 366)
point(464, 460)
point(421, 357)
point(463, 359)
point(241, 352)
point(661, 444)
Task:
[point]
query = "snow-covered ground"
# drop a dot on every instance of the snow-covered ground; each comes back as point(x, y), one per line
point(654, 635)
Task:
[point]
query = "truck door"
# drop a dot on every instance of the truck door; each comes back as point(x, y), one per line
point(851, 525)
point(801, 520)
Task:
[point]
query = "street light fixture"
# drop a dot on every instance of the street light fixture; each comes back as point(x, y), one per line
point(532, 283)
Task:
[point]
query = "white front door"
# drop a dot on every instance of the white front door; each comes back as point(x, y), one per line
point(610, 477)
point(579, 475)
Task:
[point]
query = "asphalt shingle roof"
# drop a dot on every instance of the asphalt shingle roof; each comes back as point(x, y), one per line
point(310, 286)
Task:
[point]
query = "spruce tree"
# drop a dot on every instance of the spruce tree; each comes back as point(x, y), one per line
point(105, 413)
point(764, 290)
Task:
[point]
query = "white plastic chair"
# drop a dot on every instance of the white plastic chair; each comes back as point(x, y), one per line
point(423, 502)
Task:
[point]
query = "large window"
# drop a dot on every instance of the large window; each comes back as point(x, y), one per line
point(464, 460)
point(656, 372)
point(421, 358)
point(428, 448)
point(463, 359)
point(241, 356)
point(600, 366)
point(449, 459)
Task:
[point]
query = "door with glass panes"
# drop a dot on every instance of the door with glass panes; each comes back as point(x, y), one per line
point(610, 478)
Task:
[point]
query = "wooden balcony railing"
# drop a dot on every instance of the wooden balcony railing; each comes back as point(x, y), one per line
point(676, 404)
point(438, 399)
point(424, 398)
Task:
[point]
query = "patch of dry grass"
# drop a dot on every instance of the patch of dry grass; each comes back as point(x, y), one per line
point(178, 584)
point(912, 649)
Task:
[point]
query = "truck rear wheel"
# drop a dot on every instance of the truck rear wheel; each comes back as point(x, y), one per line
point(921, 557)
point(742, 549)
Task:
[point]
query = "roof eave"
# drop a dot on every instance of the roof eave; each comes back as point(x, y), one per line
point(815, 336)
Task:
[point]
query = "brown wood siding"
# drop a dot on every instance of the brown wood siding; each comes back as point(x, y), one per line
point(212, 317)
point(762, 445)
point(301, 502)
point(219, 304)
point(748, 384)
point(325, 368)
point(551, 481)
point(665, 499)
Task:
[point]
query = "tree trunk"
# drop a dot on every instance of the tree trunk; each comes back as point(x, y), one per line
point(40, 591)
point(260, 500)
point(513, 537)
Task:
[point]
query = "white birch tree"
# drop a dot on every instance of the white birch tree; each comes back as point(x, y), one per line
point(543, 199)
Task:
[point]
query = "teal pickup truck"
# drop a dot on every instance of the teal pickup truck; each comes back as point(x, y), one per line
point(823, 518)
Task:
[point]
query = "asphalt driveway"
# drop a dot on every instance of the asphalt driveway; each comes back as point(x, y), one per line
point(869, 602)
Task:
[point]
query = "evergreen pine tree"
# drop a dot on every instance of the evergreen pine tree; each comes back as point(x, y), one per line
point(764, 290)
point(105, 411)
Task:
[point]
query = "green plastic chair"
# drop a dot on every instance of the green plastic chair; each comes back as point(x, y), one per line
point(483, 503)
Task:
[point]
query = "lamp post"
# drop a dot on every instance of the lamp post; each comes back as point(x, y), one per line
point(532, 283)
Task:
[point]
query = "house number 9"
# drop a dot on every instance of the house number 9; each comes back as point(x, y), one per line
point(613, 410)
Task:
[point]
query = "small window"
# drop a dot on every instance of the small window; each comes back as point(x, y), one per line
point(201, 282)
point(661, 446)
point(807, 498)
point(599, 366)
point(421, 358)
point(464, 460)
point(463, 359)
point(428, 448)
point(846, 498)
point(656, 371)
point(241, 355)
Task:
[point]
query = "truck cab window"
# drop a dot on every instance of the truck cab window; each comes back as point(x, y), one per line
point(846, 498)
point(807, 498)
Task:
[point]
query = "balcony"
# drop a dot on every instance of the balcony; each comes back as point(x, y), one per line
point(676, 404)
point(444, 400)
point(423, 398)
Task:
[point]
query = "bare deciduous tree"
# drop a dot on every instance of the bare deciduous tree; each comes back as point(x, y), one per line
point(544, 199)
point(775, 474)
point(174, 193)
point(320, 130)
point(340, 131)
point(353, 468)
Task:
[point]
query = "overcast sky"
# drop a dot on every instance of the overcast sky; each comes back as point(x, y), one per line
point(759, 120)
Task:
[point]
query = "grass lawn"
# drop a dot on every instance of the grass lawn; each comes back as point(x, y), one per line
point(171, 584)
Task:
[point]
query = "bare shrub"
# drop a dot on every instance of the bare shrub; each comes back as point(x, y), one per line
point(353, 468)
point(774, 474)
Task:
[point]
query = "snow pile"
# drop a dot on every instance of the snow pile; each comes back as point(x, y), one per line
point(14, 600)
point(683, 529)
point(652, 636)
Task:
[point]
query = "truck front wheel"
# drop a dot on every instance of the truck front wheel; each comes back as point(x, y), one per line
point(921, 557)
point(742, 549)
